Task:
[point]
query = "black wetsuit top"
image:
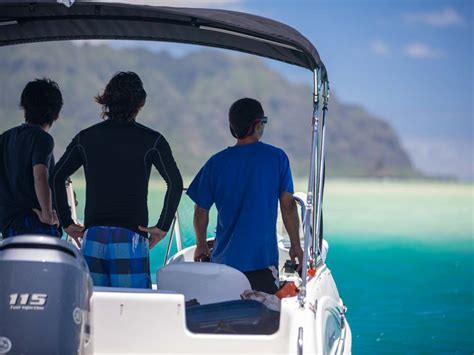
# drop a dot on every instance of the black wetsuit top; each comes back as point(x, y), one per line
point(117, 159)
point(21, 148)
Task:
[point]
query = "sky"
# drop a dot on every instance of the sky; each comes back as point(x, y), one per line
point(410, 62)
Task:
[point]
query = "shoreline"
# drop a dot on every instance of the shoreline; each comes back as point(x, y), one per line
point(371, 210)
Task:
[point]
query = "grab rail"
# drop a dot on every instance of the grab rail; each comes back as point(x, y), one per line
point(174, 230)
point(301, 201)
point(71, 199)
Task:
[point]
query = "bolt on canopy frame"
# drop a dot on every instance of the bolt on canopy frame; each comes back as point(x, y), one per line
point(27, 21)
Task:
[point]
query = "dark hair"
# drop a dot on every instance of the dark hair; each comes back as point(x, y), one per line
point(123, 97)
point(42, 101)
point(242, 117)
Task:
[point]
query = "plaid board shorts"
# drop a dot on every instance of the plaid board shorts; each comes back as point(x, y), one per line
point(117, 257)
point(30, 224)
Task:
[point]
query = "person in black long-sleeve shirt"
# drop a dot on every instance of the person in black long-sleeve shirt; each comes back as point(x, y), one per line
point(117, 155)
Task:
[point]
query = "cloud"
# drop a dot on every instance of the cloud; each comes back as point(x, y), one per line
point(419, 50)
point(438, 18)
point(380, 47)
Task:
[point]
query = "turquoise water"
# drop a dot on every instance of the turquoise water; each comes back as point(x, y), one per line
point(402, 257)
point(406, 299)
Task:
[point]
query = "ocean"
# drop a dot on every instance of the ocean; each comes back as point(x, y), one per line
point(402, 255)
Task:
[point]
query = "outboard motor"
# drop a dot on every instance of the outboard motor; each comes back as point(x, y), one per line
point(45, 292)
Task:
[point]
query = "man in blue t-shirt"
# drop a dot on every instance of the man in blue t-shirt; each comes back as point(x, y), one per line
point(245, 182)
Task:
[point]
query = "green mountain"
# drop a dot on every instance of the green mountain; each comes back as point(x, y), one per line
point(188, 101)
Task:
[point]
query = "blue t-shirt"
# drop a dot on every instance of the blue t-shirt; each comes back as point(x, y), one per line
point(245, 182)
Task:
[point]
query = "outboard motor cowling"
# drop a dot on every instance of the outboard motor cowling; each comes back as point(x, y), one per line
point(45, 292)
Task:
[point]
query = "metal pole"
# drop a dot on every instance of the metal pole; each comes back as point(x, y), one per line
point(314, 245)
point(70, 199)
point(308, 228)
point(315, 252)
point(72, 206)
point(318, 238)
point(177, 232)
point(300, 341)
point(168, 247)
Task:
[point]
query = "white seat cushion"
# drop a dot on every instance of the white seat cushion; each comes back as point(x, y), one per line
point(205, 282)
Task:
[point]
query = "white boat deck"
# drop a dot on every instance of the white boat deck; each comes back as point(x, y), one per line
point(154, 322)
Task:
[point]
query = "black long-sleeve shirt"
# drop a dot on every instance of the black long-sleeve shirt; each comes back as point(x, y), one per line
point(117, 159)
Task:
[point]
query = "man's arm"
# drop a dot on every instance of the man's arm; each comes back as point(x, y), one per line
point(43, 193)
point(201, 221)
point(165, 164)
point(201, 192)
point(291, 221)
point(71, 160)
point(43, 146)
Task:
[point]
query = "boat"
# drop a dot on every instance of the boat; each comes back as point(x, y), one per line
point(195, 307)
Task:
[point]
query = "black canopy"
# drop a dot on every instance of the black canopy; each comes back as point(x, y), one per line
point(45, 20)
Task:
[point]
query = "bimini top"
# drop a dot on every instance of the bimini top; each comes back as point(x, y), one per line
point(24, 21)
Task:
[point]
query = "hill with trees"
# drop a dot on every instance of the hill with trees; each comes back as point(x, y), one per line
point(188, 100)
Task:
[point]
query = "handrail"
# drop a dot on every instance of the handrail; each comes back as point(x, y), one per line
point(302, 203)
point(177, 233)
point(168, 247)
point(70, 199)
point(72, 206)
point(174, 230)
point(318, 238)
point(310, 216)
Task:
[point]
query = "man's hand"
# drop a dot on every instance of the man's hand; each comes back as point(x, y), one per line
point(201, 251)
point(289, 214)
point(75, 231)
point(47, 218)
point(156, 235)
point(297, 252)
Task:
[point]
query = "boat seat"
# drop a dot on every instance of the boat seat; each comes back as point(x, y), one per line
point(205, 282)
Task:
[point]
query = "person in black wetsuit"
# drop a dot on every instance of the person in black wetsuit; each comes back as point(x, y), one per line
point(117, 155)
point(26, 160)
